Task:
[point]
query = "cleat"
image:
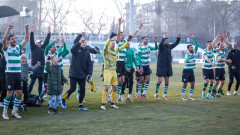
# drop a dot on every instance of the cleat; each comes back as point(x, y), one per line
point(156, 96)
point(136, 95)
point(213, 95)
point(5, 116)
point(191, 99)
point(209, 96)
point(51, 111)
point(63, 104)
point(82, 108)
point(228, 93)
point(123, 100)
point(165, 98)
point(45, 96)
point(103, 107)
point(142, 97)
point(184, 99)
point(203, 96)
point(218, 96)
point(114, 106)
point(56, 111)
point(130, 99)
point(145, 96)
point(236, 93)
point(16, 115)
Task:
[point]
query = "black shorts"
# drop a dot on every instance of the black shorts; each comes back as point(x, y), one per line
point(146, 71)
point(45, 78)
point(188, 75)
point(208, 74)
point(120, 68)
point(137, 75)
point(13, 81)
point(219, 74)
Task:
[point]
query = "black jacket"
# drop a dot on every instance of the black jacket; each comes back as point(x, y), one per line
point(90, 49)
point(164, 62)
point(2, 68)
point(234, 55)
point(37, 54)
point(81, 62)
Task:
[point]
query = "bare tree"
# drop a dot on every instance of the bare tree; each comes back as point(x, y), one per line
point(119, 5)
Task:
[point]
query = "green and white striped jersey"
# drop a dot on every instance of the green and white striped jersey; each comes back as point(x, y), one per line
point(13, 59)
point(222, 54)
point(144, 52)
point(210, 55)
point(190, 57)
point(121, 56)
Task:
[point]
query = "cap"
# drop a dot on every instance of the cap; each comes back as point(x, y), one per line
point(37, 41)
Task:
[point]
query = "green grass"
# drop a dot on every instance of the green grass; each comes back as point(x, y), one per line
point(217, 116)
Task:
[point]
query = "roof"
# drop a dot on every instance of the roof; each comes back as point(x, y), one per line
point(6, 11)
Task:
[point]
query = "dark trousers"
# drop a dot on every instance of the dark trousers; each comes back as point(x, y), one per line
point(3, 89)
point(231, 80)
point(25, 91)
point(128, 81)
point(73, 85)
point(33, 79)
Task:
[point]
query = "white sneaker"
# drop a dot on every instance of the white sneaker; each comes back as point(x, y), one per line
point(145, 96)
point(45, 96)
point(1, 104)
point(16, 115)
point(191, 99)
point(156, 96)
point(114, 106)
point(123, 100)
point(165, 97)
point(184, 99)
point(130, 99)
point(228, 93)
point(5, 116)
point(236, 93)
point(103, 107)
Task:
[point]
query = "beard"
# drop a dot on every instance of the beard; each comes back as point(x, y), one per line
point(191, 51)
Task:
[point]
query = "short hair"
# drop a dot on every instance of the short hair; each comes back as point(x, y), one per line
point(9, 37)
point(188, 46)
point(208, 42)
point(58, 46)
point(143, 37)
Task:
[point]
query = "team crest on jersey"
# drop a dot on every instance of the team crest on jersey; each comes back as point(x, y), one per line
point(9, 86)
point(106, 82)
point(216, 77)
point(184, 80)
point(204, 76)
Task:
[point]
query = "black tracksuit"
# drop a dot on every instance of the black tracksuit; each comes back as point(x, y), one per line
point(79, 69)
point(3, 89)
point(37, 54)
point(234, 55)
point(164, 62)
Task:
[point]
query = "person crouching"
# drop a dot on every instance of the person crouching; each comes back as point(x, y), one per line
point(54, 89)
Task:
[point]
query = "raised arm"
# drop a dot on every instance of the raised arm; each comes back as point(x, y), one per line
point(216, 39)
point(119, 29)
point(108, 41)
point(162, 41)
point(76, 40)
point(156, 46)
point(195, 42)
point(4, 39)
point(227, 41)
point(50, 45)
point(32, 43)
point(26, 37)
point(47, 39)
point(176, 42)
point(135, 33)
point(124, 45)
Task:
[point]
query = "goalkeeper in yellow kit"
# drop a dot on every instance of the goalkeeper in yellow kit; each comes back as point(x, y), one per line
point(110, 75)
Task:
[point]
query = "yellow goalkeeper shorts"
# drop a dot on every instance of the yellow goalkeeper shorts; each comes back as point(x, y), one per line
point(110, 77)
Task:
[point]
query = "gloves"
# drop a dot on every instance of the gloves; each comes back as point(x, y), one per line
point(89, 78)
point(113, 35)
point(97, 49)
point(129, 37)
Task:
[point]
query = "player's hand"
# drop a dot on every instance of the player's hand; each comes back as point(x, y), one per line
point(63, 41)
point(32, 29)
point(49, 29)
point(233, 67)
point(141, 70)
point(89, 78)
point(120, 21)
point(229, 61)
point(26, 26)
point(10, 27)
point(179, 35)
point(57, 40)
point(61, 44)
point(228, 34)
point(127, 69)
point(39, 63)
point(219, 34)
point(140, 26)
point(67, 83)
point(164, 36)
point(192, 36)
point(214, 64)
point(129, 37)
point(155, 39)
